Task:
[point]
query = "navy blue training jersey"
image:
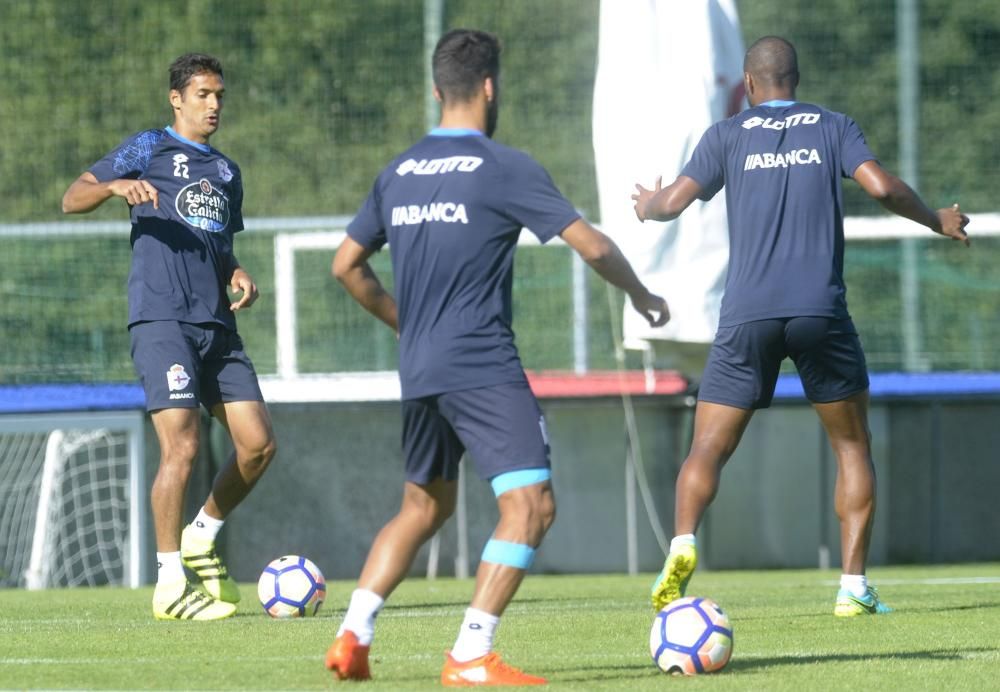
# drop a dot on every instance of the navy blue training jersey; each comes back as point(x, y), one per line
point(182, 253)
point(451, 208)
point(781, 164)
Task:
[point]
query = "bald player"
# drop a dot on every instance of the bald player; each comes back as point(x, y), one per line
point(781, 162)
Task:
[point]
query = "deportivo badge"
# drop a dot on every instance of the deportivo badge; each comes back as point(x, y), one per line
point(177, 379)
point(224, 171)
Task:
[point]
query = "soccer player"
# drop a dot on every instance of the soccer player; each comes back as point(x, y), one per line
point(781, 162)
point(185, 200)
point(451, 208)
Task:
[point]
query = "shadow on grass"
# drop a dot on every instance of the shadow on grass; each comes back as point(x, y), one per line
point(599, 672)
point(899, 611)
point(945, 609)
point(738, 666)
point(414, 605)
point(752, 665)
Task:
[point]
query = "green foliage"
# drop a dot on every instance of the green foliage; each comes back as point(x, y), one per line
point(582, 632)
point(320, 95)
point(848, 63)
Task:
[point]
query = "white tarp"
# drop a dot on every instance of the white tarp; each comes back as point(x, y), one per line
point(666, 70)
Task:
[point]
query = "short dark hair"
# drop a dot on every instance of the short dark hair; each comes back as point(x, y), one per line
point(462, 59)
point(188, 65)
point(773, 60)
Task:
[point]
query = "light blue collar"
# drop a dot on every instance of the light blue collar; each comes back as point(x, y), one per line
point(778, 103)
point(197, 145)
point(455, 132)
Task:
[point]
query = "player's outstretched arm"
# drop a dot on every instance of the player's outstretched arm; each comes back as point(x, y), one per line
point(604, 256)
point(899, 198)
point(351, 268)
point(86, 193)
point(665, 203)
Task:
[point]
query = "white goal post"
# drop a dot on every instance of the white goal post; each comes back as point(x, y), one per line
point(72, 499)
point(380, 385)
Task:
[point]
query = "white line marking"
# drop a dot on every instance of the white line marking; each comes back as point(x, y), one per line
point(935, 581)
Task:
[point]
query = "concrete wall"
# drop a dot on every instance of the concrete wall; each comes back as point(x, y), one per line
point(338, 476)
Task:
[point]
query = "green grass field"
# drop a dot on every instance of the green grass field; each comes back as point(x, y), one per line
point(583, 632)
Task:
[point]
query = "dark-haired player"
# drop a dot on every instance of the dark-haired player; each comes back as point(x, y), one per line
point(451, 209)
point(185, 200)
point(781, 163)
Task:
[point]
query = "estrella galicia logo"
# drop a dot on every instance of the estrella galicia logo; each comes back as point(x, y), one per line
point(203, 206)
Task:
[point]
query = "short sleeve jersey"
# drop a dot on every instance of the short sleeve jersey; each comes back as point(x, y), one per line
point(451, 209)
point(182, 253)
point(781, 164)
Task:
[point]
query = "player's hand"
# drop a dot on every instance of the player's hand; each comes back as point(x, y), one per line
point(642, 196)
point(135, 192)
point(241, 282)
point(953, 223)
point(652, 307)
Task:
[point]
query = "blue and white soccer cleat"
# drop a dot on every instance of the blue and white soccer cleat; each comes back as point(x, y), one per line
point(672, 581)
point(848, 605)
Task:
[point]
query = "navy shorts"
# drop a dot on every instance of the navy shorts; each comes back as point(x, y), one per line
point(744, 361)
point(501, 426)
point(182, 365)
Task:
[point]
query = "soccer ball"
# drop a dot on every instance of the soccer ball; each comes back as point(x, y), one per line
point(291, 587)
point(691, 636)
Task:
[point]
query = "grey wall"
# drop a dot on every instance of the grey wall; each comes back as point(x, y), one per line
point(338, 476)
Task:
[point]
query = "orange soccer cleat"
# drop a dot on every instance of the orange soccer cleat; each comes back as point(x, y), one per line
point(347, 658)
point(485, 671)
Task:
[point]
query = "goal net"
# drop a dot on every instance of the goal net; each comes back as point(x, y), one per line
point(72, 506)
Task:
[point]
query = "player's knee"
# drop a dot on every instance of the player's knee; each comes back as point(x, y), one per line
point(428, 512)
point(179, 453)
point(529, 511)
point(258, 455)
point(547, 511)
point(265, 451)
point(712, 453)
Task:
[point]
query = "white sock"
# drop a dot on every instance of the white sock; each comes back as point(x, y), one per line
point(169, 568)
point(683, 539)
point(206, 527)
point(857, 584)
point(475, 639)
point(360, 617)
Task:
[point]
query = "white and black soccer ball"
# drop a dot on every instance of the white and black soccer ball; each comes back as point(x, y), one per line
point(691, 636)
point(291, 587)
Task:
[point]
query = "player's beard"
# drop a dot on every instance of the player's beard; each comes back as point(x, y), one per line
point(492, 113)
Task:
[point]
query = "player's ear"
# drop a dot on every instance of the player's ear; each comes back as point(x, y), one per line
point(438, 96)
point(490, 88)
point(749, 86)
point(176, 98)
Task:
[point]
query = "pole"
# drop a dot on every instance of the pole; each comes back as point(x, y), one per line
point(908, 102)
point(433, 21)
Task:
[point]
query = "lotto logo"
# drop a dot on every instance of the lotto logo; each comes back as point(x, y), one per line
point(462, 164)
point(783, 124)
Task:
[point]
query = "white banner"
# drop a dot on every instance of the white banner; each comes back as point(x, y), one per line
point(666, 70)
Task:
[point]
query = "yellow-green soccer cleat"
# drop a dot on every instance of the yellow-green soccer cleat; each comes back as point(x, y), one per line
point(673, 579)
point(200, 557)
point(181, 601)
point(848, 605)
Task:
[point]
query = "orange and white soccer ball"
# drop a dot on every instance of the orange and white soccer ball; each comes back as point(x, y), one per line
point(691, 636)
